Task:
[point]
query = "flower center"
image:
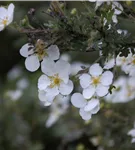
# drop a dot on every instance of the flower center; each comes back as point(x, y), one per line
point(4, 21)
point(55, 81)
point(95, 80)
point(123, 59)
point(40, 49)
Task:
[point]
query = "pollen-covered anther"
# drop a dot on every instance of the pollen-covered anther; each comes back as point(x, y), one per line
point(5, 21)
point(123, 59)
point(55, 81)
point(95, 80)
point(40, 49)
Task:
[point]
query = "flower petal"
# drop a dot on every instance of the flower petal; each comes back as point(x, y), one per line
point(85, 80)
point(53, 52)
point(89, 92)
point(48, 67)
point(102, 90)
point(63, 69)
point(10, 12)
point(96, 109)
point(66, 89)
point(43, 82)
point(52, 92)
point(24, 51)
point(3, 13)
point(85, 115)
point(32, 63)
point(78, 100)
point(95, 70)
point(110, 64)
point(92, 104)
point(107, 78)
point(42, 97)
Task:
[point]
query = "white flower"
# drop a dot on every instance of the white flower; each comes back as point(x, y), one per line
point(56, 78)
point(120, 61)
point(6, 16)
point(124, 91)
point(87, 108)
point(96, 81)
point(35, 54)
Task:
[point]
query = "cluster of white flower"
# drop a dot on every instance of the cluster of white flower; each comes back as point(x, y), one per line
point(127, 64)
point(95, 84)
point(115, 6)
point(6, 16)
point(124, 90)
point(55, 80)
point(124, 86)
point(132, 134)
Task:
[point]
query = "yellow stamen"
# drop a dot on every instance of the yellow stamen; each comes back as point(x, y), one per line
point(95, 80)
point(40, 49)
point(123, 59)
point(4, 21)
point(55, 81)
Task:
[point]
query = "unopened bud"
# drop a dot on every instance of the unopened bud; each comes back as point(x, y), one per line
point(23, 22)
point(62, 5)
point(73, 11)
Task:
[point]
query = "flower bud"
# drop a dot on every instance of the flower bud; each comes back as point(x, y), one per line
point(73, 11)
point(24, 22)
